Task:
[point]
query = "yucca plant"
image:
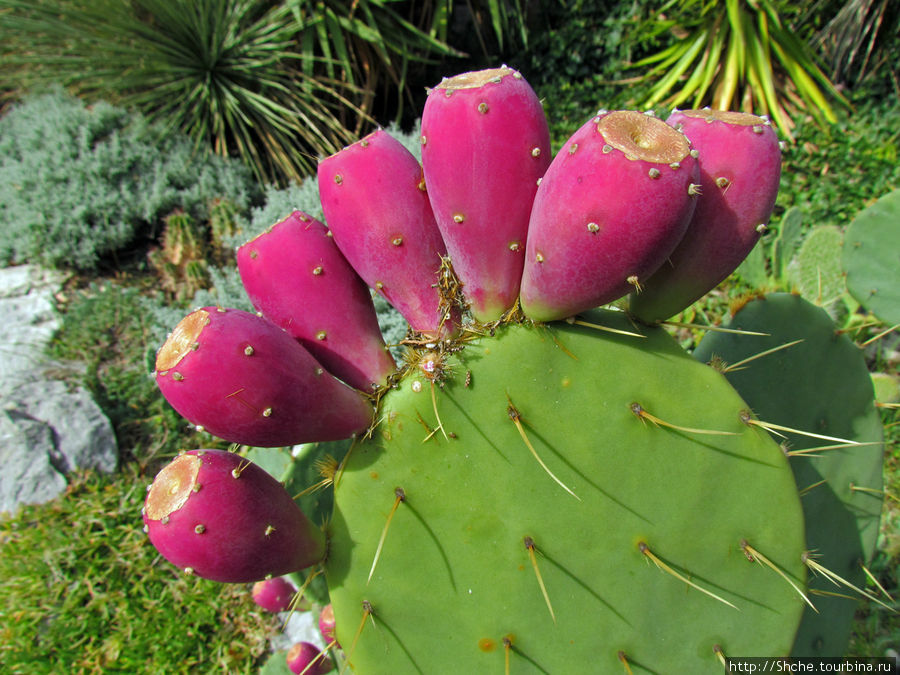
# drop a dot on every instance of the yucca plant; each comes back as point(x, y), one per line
point(736, 54)
point(227, 72)
point(851, 41)
point(276, 83)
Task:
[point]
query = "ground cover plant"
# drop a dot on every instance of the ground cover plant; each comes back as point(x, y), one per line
point(82, 184)
point(120, 322)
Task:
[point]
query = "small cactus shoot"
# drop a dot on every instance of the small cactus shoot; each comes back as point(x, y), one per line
point(220, 517)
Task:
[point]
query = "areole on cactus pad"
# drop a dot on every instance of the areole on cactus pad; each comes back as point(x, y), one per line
point(541, 486)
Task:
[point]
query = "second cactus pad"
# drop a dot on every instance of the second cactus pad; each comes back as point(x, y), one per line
point(556, 498)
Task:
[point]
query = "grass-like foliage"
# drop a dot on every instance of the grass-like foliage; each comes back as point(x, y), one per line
point(226, 73)
point(84, 591)
point(731, 55)
point(78, 183)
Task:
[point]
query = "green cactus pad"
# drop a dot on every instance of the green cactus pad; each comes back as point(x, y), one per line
point(816, 271)
point(872, 258)
point(819, 385)
point(483, 529)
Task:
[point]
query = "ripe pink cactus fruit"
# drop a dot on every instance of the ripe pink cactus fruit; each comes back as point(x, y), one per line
point(740, 169)
point(297, 278)
point(306, 659)
point(485, 144)
point(218, 516)
point(275, 594)
point(374, 200)
point(244, 379)
point(611, 207)
point(326, 625)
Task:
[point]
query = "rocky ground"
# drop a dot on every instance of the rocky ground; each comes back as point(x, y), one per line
point(48, 427)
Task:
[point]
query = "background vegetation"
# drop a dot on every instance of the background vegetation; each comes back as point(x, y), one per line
point(137, 149)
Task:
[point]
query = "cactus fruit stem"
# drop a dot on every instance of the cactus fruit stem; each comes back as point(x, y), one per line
point(755, 556)
point(529, 545)
point(596, 326)
point(624, 659)
point(400, 496)
point(714, 329)
point(740, 364)
point(773, 428)
point(838, 580)
point(660, 564)
point(639, 411)
point(517, 420)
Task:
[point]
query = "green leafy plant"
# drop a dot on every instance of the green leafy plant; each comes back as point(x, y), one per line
point(737, 54)
point(855, 40)
point(80, 184)
point(225, 73)
point(277, 84)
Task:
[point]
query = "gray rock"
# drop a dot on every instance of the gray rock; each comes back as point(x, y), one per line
point(26, 450)
point(47, 427)
point(83, 435)
point(28, 320)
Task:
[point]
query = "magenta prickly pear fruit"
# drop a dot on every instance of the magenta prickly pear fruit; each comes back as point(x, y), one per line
point(374, 200)
point(609, 210)
point(306, 658)
point(485, 144)
point(214, 514)
point(297, 278)
point(243, 379)
point(740, 168)
point(274, 595)
point(326, 625)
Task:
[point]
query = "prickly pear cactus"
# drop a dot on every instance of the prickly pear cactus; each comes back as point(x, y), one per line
point(837, 464)
point(524, 498)
point(871, 258)
point(542, 486)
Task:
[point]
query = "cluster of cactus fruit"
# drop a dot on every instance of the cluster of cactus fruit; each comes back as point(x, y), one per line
point(541, 485)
